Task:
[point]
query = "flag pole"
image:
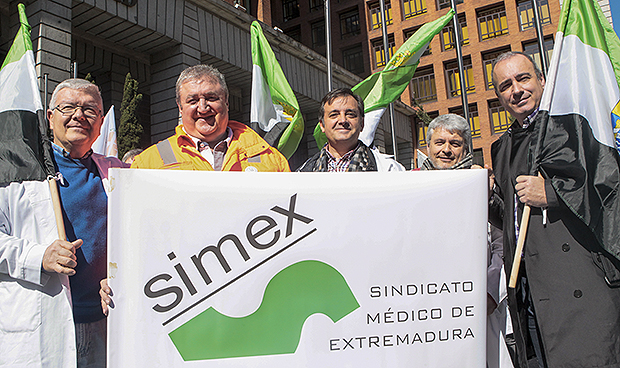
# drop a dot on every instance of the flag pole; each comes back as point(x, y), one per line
point(51, 180)
point(30, 95)
point(516, 263)
point(386, 55)
point(60, 224)
point(540, 36)
point(328, 39)
point(525, 218)
point(45, 84)
point(459, 57)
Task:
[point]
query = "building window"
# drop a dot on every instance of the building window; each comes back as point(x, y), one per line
point(423, 85)
point(316, 5)
point(377, 47)
point(499, 117)
point(375, 15)
point(318, 33)
point(350, 23)
point(410, 33)
point(447, 34)
point(353, 59)
point(526, 13)
point(411, 8)
point(423, 128)
point(294, 33)
point(487, 62)
point(454, 79)
point(474, 119)
point(290, 9)
point(492, 23)
point(531, 48)
point(442, 4)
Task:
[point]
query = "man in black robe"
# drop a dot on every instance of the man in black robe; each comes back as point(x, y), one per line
point(566, 306)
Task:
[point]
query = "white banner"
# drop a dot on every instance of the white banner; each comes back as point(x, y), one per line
point(321, 270)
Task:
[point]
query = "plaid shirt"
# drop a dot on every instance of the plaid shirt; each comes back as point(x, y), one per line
point(339, 165)
point(528, 120)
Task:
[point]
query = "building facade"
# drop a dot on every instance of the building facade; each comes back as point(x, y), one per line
point(156, 40)
point(487, 28)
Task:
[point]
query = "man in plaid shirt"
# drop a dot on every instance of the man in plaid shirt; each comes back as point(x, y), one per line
point(342, 121)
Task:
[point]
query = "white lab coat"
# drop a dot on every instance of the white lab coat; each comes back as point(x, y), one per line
point(36, 318)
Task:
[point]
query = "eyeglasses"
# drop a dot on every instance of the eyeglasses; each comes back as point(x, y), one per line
point(69, 110)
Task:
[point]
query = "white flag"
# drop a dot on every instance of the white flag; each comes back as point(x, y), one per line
point(106, 142)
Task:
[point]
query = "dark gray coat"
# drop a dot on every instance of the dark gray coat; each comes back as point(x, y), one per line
point(578, 314)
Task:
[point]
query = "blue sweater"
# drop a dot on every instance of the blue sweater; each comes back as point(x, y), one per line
point(84, 204)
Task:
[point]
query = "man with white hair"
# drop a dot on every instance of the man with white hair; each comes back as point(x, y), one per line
point(449, 143)
point(49, 301)
point(449, 147)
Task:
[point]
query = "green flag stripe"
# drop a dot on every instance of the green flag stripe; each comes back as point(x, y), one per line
point(411, 50)
point(281, 92)
point(586, 20)
point(385, 86)
point(22, 42)
point(395, 79)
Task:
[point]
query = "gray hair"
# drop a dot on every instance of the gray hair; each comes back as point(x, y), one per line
point(454, 124)
point(510, 54)
point(200, 72)
point(77, 84)
point(131, 154)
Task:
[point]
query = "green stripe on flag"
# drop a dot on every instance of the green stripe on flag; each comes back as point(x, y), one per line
point(373, 89)
point(25, 150)
point(22, 42)
point(585, 19)
point(281, 92)
point(385, 86)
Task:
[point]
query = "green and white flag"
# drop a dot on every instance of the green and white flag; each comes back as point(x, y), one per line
point(385, 86)
point(274, 111)
point(25, 150)
point(576, 148)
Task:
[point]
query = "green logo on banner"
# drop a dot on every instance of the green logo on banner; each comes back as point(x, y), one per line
point(293, 295)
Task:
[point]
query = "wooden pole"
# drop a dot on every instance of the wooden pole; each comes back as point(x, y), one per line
point(516, 263)
point(525, 220)
point(60, 224)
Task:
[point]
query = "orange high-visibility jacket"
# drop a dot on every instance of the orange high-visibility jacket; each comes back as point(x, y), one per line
point(247, 151)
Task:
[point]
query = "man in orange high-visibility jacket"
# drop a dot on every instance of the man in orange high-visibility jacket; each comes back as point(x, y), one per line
point(207, 140)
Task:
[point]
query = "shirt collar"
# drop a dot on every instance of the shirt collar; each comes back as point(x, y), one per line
point(345, 157)
point(530, 118)
point(228, 139)
point(66, 154)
